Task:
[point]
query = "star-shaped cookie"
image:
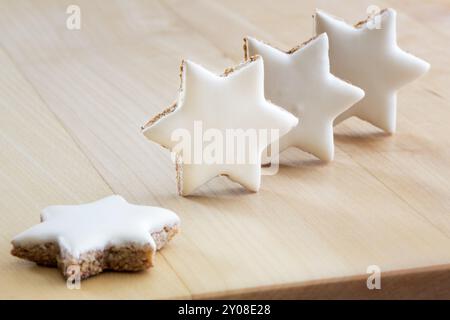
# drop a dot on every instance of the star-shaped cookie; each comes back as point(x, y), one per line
point(109, 234)
point(228, 114)
point(370, 58)
point(300, 81)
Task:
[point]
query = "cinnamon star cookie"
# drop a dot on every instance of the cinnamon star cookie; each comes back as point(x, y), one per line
point(368, 56)
point(300, 81)
point(220, 125)
point(108, 234)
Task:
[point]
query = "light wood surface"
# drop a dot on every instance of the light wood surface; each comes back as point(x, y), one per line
point(72, 103)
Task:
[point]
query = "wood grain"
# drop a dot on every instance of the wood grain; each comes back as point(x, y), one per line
point(310, 232)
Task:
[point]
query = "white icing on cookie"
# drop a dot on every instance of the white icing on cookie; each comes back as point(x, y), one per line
point(233, 101)
point(370, 58)
point(300, 81)
point(94, 226)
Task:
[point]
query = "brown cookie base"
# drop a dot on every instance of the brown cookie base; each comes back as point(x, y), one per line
point(129, 257)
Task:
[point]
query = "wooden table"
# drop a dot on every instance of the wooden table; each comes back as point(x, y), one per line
point(72, 103)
